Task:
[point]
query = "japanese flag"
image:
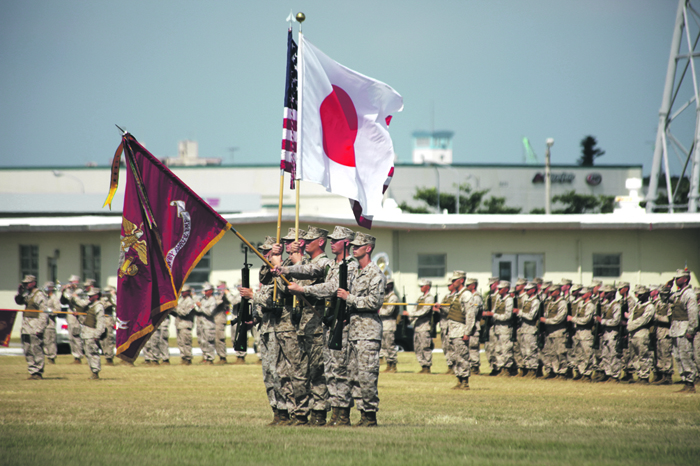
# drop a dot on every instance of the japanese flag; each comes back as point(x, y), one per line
point(345, 144)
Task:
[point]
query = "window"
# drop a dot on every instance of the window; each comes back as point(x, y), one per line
point(432, 265)
point(90, 262)
point(28, 260)
point(200, 273)
point(607, 265)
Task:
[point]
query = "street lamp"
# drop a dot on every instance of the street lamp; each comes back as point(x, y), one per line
point(547, 179)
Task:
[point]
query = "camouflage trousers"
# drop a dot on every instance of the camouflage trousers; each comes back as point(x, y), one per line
point(311, 347)
point(292, 373)
point(269, 351)
point(206, 343)
point(33, 346)
point(446, 345)
point(641, 355)
point(517, 355)
point(335, 364)
point(220, 339)
point(76, 343)
point(184, 343)
point(152, 349)
point(50, 347)
point(256, 339)
point(363, 364)
point(610, 358)
point(164, 342)
point(685, 359)
point(423, 347)
point(584, 359)
point(234, 329)
point(388, 351)
point(92, 354)
point(664, 351)
point(109, 341)
point(555, 352)
point(502, 346)
point(474, 355)
point(529, 353)
point(460, 357)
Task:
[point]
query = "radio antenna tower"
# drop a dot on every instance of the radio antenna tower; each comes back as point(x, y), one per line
point(680, 66)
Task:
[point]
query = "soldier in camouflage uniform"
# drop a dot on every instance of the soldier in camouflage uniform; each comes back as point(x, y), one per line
point(610, 322)
point(388, 315)
point(664, 346)
point(639, 326)
point(184, 321)
point(502, 330)
point(108, 341)
point(518, 295)
point(684, 328)
point(527, 331)
point(489, 299)
point(555, 324)
point(420, 319)
point(92, 326)
point(627, 301)
point(476, 302)
point(226, 301)
point(33, 325)
point(53, 304)
point(206, 306)
point(583, 317)
point(76, 344)
point(364, 299)
point(310, 331)
point(461, 322)
point(151, 350)
point(443, 309)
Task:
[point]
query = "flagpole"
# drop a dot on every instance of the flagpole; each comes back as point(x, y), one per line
point(279, 225)
point(300, 108)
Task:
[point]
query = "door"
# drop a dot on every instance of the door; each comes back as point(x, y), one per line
point(530, 266)
point(505, 266)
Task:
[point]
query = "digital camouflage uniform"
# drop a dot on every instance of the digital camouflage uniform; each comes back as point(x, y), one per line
point(583, 313)
point(474, 343)
point(502, 331)
point(639, 324)
point(208, 333)
point(610, 357)
point(447, 349)
point(92, 326)
point(226, 302)
point(664, 342)
point(420, 319)
point(388, 314)
point(184, 321)
point(53, 304)
point(555, 344)
point(684, 321)
point(152, 349)
point(461, 319)
point(33, 327)
point(76, 344)
point(527, 332)
point(108, 341)
point(268, 348)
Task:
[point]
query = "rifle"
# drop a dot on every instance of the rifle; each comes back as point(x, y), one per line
point(488, 322)
point(434, 318)
point(541, 327)
point(514, 321)
point(622, 335)
point(596, 329)
point(240, 341)
point(339, 309)
point(570, 327)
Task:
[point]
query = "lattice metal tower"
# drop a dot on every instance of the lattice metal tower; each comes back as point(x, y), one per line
point(681, 83)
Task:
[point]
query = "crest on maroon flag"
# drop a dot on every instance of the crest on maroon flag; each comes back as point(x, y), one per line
point(166, 229)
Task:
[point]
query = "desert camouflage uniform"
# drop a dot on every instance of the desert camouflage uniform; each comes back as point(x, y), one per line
point(420, 319)
point(664, 342)
point(610, 357)
point(474, 343)
point(208, 332)
point(53, 303)
point(518, 301)
point(76, 344)
point(489, 344)
point(164, 341)
point(152, 349)
point(92, 326)
point(108, 342)
point(639, 324)
point(527, 332)
point(447, 349)
point(33, 326)
point(625, 357)
point(555, 345)
point(461, 321)
point(268, 348)
point(583, 318)
point(366, 296)
point(502, 331)
point(234, 298)
point(226, 302)
point(684, 321)
point(387, 314)
point(184, 321)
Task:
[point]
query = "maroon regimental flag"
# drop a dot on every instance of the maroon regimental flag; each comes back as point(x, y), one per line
point(166, 229)
point(7, 320)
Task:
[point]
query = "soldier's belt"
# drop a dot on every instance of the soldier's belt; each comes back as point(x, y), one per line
point(588, 326)
point(364, 311)
point(502, 323)
point(663, 324)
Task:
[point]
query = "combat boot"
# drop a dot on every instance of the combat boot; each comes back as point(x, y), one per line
point(540, 372)
point(465, 383)
point(689, 387)
point(586, 379)
point(459, 384)
point(393, 368)
point(476, 370)
point(35, 377)
point(657, 376)
point(387, 368)
point(334, 417)
point(318, 418)
point(284, 419)
point(240, 360)
point(425, 370)
point(301, 421)
point(626, 377)
point(370, 419)
point(275, 418)
point(450, 371)
point(643, 381)
point(94, 376)
point(222, 361)
point(77, 361)
point(664, 379)
point(363, 420)
point(166, 362)
point(494, 372)
point(343, 418)
point(522, 372)
point(110, 362)
point(53, 360)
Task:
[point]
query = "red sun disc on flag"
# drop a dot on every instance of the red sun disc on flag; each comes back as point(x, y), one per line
point(339, 122)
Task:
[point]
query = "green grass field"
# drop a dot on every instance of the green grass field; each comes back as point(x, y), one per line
point(210, 415)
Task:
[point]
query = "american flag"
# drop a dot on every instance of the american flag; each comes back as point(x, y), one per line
point(289, 131)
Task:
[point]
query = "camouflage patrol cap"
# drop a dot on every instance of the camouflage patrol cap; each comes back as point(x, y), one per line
point(555, 287)
point(207, 287)
point(74, 278)
point(583, 289)
point(608, 289)
point(267, 244)
point(530, 285)
point(424, 282)
point(493, 280)
point(471, 281)
point(362, 239)
point(576, 287)
point(546, 284)
point(342, 233)
point(503, 284)
point(682, 273)
point(641, 289)
point(313, 233)
point(28, 279)
point(622, 285)
point(457, 274)
point(389, 281)
point(291, 234)
point(186, 288)
point(93, 291)
point(89, 282)
point(521, 281)
point(565, 281)
point(595, 283)
point(49, 285)
point(537, 281)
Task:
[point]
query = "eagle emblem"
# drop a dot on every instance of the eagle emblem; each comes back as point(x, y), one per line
point(131, 240)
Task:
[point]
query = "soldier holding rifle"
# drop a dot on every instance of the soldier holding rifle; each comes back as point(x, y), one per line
point(527, 332)
point(639, 326)
point(583, 318)
point(53, 303)
point(502, 330)
point(663, 370)
point(610, 321)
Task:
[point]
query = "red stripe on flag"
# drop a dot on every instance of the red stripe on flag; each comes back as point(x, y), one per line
point(289, 124)
point(289, 146)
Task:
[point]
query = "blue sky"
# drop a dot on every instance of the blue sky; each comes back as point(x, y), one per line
point(213, 71)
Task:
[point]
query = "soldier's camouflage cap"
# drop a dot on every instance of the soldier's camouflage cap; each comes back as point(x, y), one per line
point(595, 283)
point(267, 244)
point(207, 287)
point(546, 284)
point(576, 287)
point(186, 288)
point(622, 285)
point(555, 287)
point(584, 289)
point(471, 281)
point(530, 286)
point(504, 284)
point(28, 279)
point(49, 285)
point(313, 233)
point(362, 239)
point(89, 282)
point(342, 233)
point(74, 278)
point(565, 281)
point(291, 234)
point(607, 289)
point(457, 274)
point(681, 273)
point(641, 289)
point(538, 281)
point(521, 281)
point(493, 280)
point(93, 291)
point(389, 281)
point(424, 282)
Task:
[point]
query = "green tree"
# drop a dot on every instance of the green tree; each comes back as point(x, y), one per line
point(469, 202)
point(680, 188)
point(589, 151)
point(581, 204)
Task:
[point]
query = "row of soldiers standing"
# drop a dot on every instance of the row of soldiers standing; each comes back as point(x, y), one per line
point(89, 316)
